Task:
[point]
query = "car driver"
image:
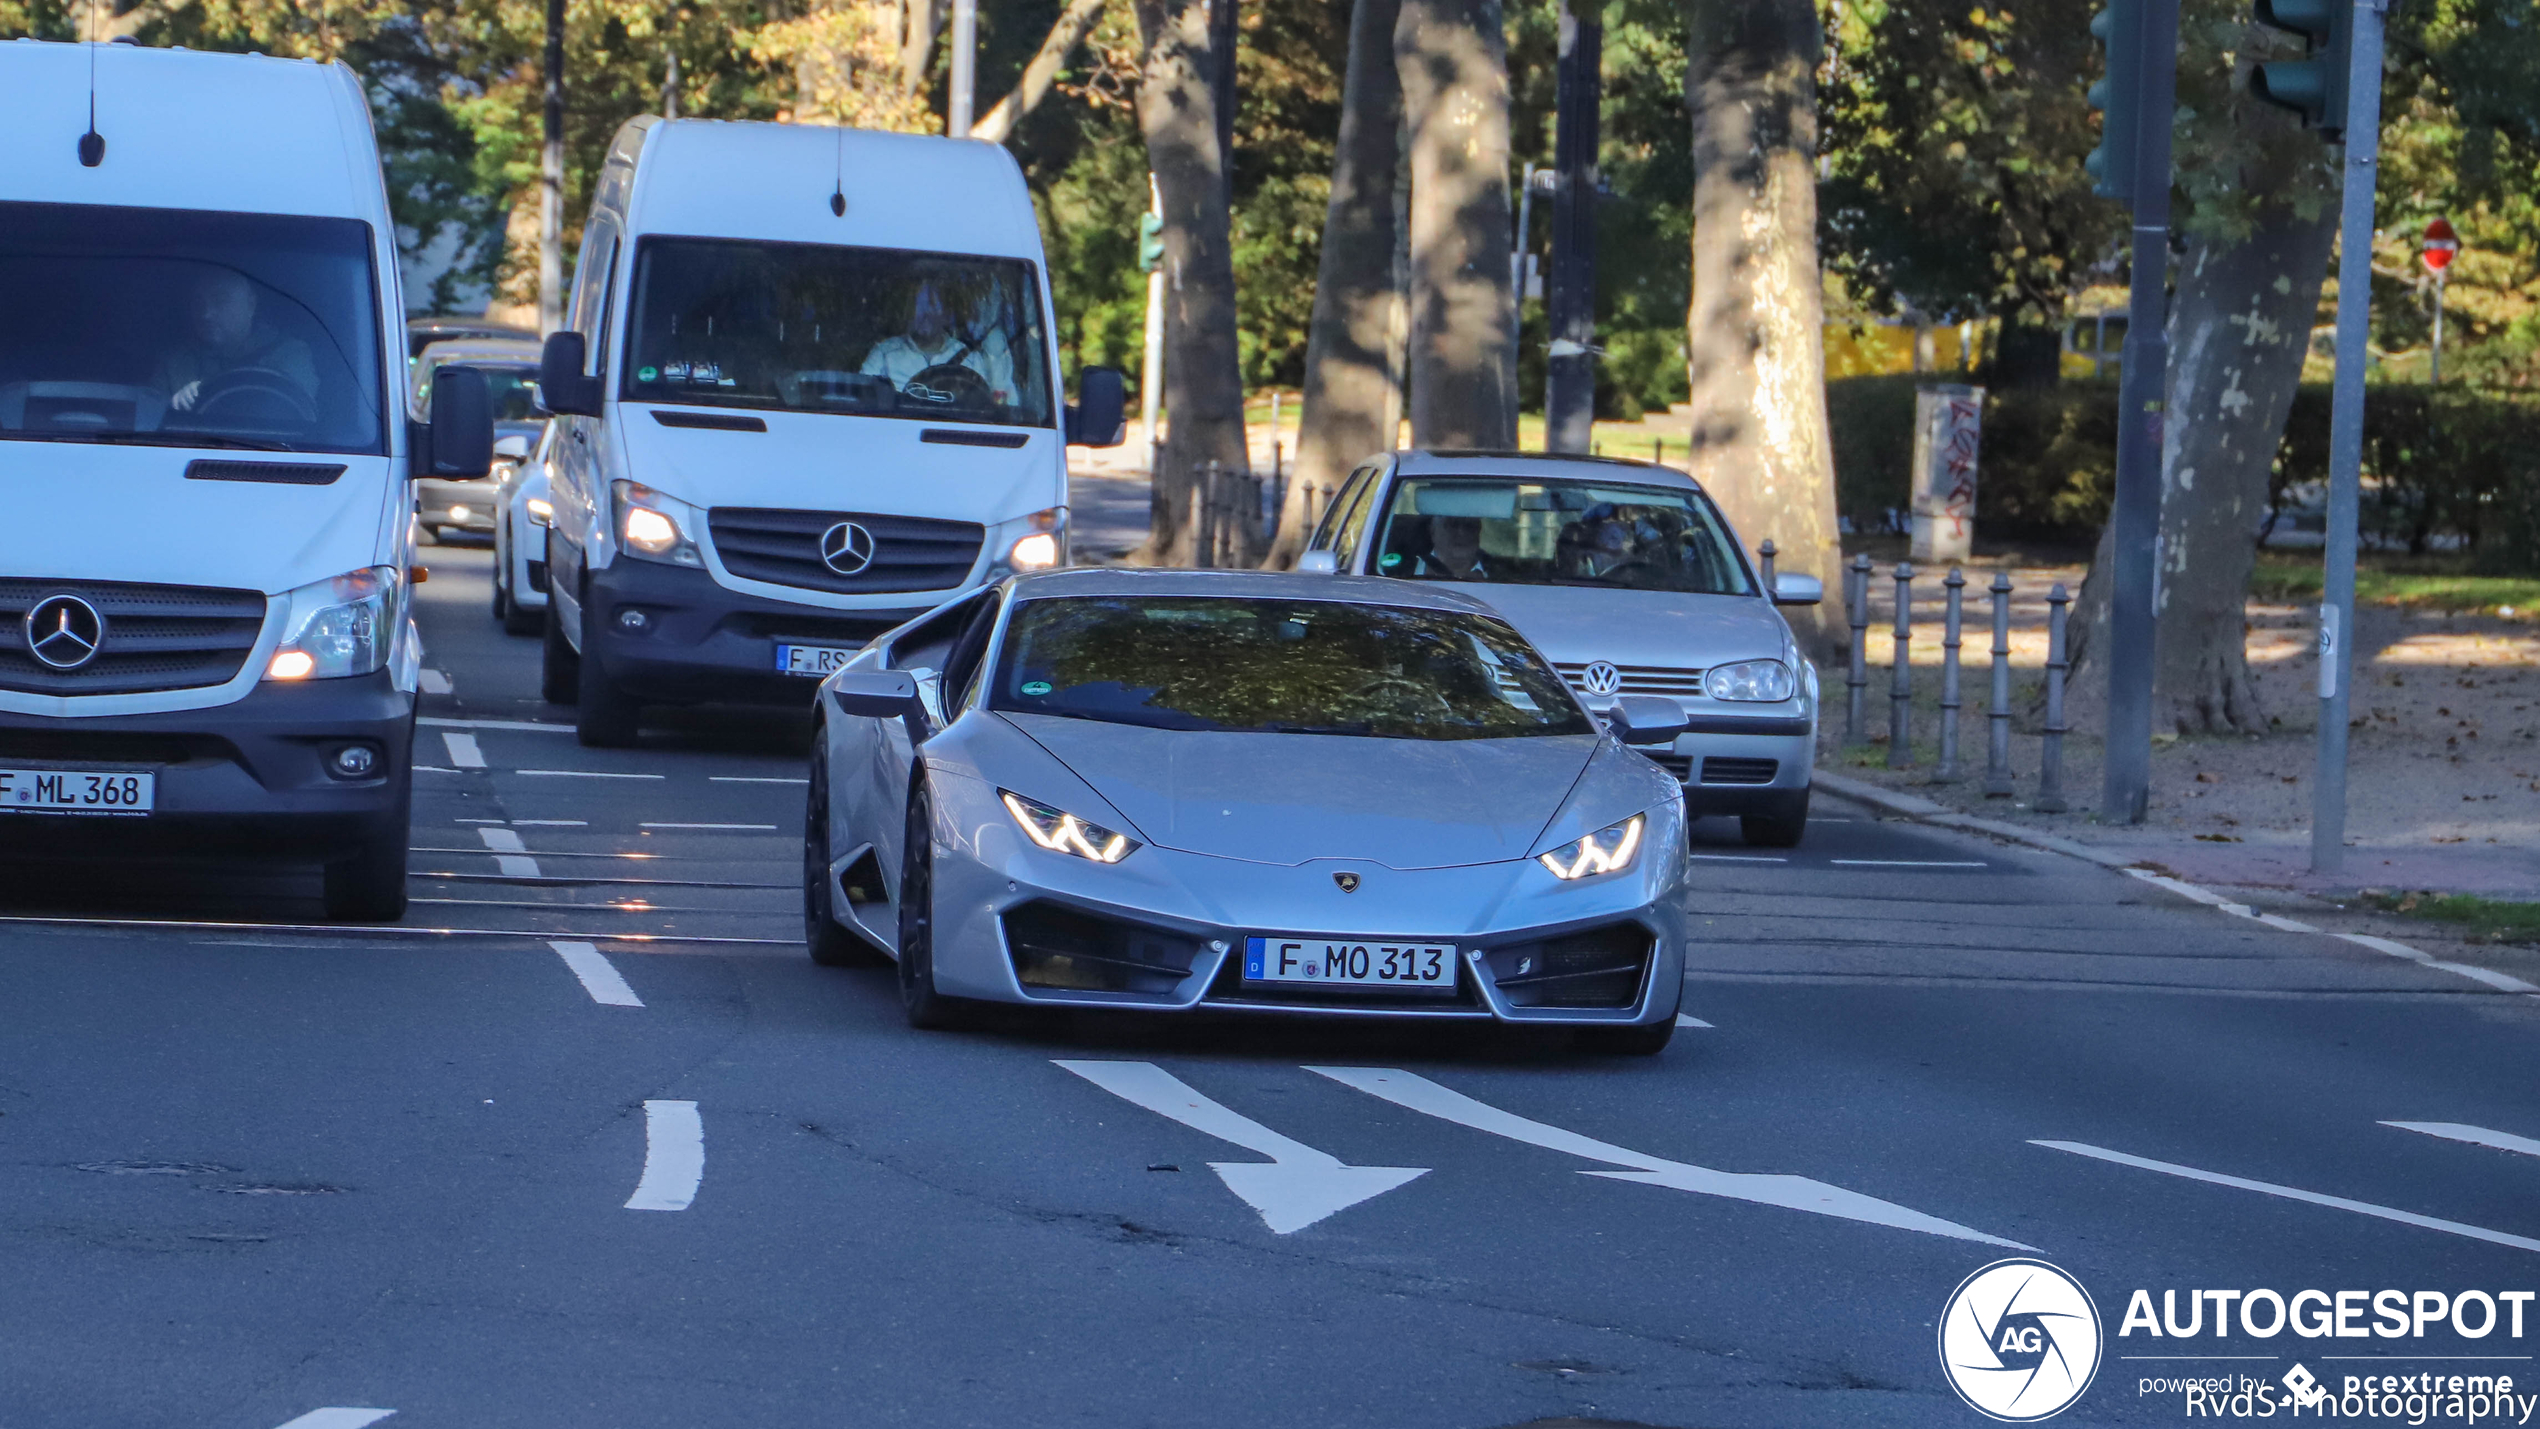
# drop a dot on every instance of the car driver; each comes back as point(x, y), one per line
point(930, 342)
point(223, 338)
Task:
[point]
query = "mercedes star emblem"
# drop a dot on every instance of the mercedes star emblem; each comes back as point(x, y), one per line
point(846, 548)
point(64, 631)
point(1347, 881)
point(1601, 678)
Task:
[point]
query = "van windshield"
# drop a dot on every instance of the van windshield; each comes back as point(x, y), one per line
point(814, 327)
point(175, 328)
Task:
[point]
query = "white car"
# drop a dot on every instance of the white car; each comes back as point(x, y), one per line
point(521, 517)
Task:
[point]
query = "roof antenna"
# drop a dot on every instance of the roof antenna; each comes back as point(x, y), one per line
point(92, 145)
point(837, 195)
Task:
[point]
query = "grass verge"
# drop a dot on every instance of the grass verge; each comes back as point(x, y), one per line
point(2418, 584)
point(2491, 920)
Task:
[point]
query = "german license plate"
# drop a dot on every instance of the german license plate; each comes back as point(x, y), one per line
point(76, 791)
point(815, 661)
point(1349, 962)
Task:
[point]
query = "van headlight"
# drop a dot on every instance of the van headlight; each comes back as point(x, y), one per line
point(1065, 833)
point(1751, 681)
point(1608, 850)
point(1037, 542)
point(337, 627)
point(655, 527)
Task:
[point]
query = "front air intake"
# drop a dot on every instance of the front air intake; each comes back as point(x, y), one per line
point(1067, 950)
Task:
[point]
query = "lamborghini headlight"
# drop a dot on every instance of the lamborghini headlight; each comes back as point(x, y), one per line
point(1065, 833)
point(1758, 681)
point(1608, 850)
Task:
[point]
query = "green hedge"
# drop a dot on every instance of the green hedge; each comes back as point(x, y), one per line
point(2438, 462)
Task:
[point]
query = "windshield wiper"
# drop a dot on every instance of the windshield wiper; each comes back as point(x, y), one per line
point(153, 439)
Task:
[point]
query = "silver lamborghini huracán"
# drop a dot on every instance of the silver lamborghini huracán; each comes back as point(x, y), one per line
point(1198, 789)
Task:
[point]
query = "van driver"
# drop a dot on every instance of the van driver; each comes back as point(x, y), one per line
point(223, 338)
point(931, 342)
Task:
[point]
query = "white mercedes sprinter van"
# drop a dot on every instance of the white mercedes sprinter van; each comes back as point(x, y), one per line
point(809, 390)
point(205, 647)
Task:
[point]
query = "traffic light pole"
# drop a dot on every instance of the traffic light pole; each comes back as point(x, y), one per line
point(2346, 432)
point(2141, 395)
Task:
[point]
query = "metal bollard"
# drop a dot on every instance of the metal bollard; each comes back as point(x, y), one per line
point(1997, 755)
point(1856, 678)
point(1949, 772)
point(2050, 769)
point(1767, 552)
point(1900, 690)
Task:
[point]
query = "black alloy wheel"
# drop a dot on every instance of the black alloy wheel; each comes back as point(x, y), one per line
point(926, 1008)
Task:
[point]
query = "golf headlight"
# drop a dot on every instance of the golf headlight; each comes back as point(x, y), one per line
point(1036, 542)
point(655, 527)
point(1065, 833)
point(542, 512)
point(1757, 681)
point(1608, 850)
point(337, 627)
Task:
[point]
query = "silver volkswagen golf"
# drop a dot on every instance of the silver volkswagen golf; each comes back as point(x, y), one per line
point(1628, 577)
point(1199, 789)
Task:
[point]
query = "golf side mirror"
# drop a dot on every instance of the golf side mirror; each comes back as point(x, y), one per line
point(458, 443)
point(1646, 719)
point(1100, 417)
point(511, 448)
point(1798, 590)
point(565, 386)
point(1318, 563)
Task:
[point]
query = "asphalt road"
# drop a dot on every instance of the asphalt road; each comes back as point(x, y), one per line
point(252, 1170)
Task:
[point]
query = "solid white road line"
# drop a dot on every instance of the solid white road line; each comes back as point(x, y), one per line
point(551, 823)
point(599, 977)
point(1737, 858)
point(463, 750)
point(338, 1418)
point(433, 723)
point(1300, 1185)
point(2268, 1188)
point(1798, 1193)
point(747, 828)
point(749, 779)
point(1907, 863)
point(674, 1157)
point(2502, 982)
point(509, 855)
point(581, 774)
point(2474, 1135)
point(1688, 1020)
point(434, 682)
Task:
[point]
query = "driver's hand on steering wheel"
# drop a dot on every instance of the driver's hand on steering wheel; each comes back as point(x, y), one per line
point(182, 399)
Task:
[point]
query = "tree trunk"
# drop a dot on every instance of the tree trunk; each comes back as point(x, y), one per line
point(919, 21)
point(1203, 376)
point(1074, 23)
point(1352, 372)
point(2239, 328)
point(1453, 61)
point(1755, 338)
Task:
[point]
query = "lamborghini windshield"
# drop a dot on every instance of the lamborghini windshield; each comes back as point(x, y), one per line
point(1280, 667)
point(820, 328)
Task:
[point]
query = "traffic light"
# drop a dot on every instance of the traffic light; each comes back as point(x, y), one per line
point(2119, 29)
point(1150, 242)
point(2313, 87)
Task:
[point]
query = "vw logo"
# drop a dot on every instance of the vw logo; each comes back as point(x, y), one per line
point(1601, 678)
point(846, 548)
point(1347, 881)
point(64, 631)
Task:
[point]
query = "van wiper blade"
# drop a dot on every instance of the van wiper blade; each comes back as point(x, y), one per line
point(152, 439)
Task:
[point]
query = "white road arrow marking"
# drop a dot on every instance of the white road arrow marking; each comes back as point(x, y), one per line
point(1300, 1185)
point(1798, 1193)
point(338, 1418)
point(2474, 1135)
point(2293, 1193)
point(674, 1157)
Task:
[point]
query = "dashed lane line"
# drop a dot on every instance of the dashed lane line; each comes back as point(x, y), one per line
point(581, 774)
point(384, 930)
point(463, 751)
point(433, 682)
point(2291, 1193)
point(598, 975)
point(2474, 1135)
point(738, 828)
point(1798, 1193)
point(1737, 858)
point(1686, 1019)
point(339, 1418)
point(432, 722)
point(752, 779)
point(1908, 863)
point(1300, 1185)
point(509, 854)
point(674, 1157)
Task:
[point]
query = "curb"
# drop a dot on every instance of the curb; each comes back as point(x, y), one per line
point(1926, 811)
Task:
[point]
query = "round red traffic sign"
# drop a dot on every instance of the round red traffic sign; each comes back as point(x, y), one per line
point(2440, 244)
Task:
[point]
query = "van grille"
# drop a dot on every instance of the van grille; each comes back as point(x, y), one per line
point(1637, 679)
point(783, 548)
point(157, 637)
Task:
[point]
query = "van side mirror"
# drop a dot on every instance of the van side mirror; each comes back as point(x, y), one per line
point(458, 442)
point(565, 386)
point(1795, 589)
point(1318, 563)
point(1646, 719)
point(1100, 417)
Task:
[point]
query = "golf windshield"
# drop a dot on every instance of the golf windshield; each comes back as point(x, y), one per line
point(1280, 667)
point(168, 327)
point(1577, 533)
point(812, 327)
